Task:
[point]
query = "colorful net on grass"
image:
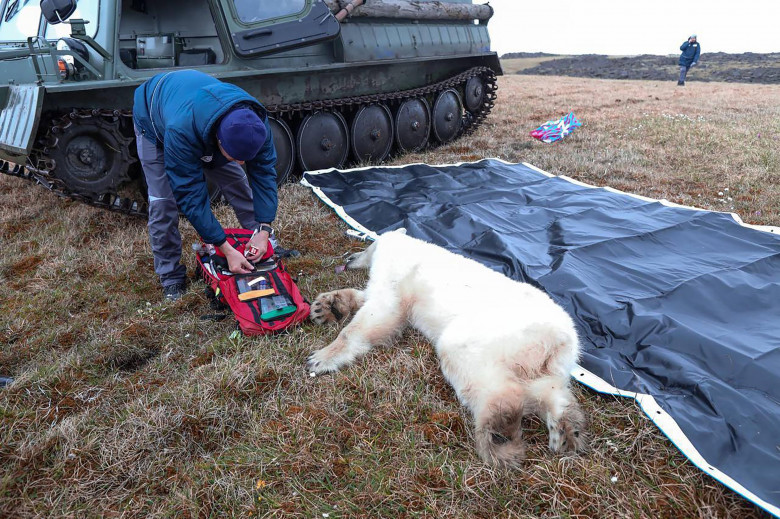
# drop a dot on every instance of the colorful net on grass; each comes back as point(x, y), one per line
point(556, 130)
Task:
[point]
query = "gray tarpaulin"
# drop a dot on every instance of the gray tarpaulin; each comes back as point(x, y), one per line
point(676, 307)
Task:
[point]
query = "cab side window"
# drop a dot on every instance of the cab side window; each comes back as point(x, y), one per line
point(252, 11)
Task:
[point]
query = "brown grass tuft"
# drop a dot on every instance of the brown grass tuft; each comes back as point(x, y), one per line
point(123, 406)
point(23, 266)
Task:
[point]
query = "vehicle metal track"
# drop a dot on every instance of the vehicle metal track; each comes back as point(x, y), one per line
point(40, 165)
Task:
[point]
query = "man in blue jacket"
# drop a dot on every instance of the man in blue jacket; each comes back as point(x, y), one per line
point(187, 125)
point(689, 57)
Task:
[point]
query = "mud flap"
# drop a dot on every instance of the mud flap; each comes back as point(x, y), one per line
point(19, 121)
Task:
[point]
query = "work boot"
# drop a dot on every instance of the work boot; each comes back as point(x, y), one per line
point(174, 292)
point(681, 83)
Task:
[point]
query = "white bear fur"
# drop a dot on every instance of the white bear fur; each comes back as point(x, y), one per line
point(505, 347)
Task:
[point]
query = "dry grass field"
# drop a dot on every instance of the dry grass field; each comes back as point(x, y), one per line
point(125, 407)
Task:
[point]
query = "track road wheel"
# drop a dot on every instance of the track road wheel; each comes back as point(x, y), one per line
point(372, 133)
point(447, 115)
point(412, 125)
point(91, 155)
point(475, 93)
point(322, 141)
point(285, 149)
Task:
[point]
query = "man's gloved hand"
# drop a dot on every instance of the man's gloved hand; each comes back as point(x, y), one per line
point(693, 64)
point(260, 242)
point(237, 263)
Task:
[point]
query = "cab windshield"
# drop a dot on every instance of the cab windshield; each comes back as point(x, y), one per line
point(252, 11)
point(20, 19)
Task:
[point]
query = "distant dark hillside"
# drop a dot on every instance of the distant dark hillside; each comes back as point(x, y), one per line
point(515, 55)
point(717, 66)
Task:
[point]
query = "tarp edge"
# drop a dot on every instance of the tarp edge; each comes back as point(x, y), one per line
point(764, 228)
point(671, 430)
point(339, 210)
point(649, 406)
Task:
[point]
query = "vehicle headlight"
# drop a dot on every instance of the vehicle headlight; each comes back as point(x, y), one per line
point(68, 65)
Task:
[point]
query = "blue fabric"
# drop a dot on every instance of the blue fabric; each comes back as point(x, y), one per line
point(241, 133)
point(690, 53)
point(181, 119)
point(676, 303)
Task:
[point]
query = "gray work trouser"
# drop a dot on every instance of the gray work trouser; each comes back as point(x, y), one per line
point(683, 72)
point(164, 213)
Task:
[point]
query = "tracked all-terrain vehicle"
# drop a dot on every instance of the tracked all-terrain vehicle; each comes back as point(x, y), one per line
point(342, 82)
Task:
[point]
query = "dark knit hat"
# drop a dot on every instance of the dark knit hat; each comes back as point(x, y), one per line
point(241, 133)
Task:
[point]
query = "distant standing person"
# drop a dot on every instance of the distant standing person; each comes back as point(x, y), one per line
point(689, 57)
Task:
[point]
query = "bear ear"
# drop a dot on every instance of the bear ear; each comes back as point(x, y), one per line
point(400, 230)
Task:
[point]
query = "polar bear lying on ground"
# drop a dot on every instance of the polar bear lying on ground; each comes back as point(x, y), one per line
point(506, 347)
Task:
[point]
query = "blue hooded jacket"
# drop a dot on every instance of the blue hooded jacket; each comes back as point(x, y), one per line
point(690, 53)
point(179, 110)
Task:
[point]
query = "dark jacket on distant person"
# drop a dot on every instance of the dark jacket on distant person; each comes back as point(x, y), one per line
point(690, 53)
point(182, 121)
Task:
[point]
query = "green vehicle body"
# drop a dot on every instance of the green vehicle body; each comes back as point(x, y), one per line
point(293, 56)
